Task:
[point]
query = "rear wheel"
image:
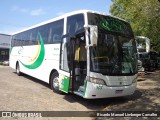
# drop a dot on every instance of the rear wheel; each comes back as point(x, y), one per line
point(54, 82)
point(18, 70)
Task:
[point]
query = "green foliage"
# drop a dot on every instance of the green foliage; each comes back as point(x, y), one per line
point(143, 15)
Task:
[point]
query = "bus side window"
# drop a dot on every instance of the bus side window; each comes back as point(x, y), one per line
point(56, 31)
point(75, 23)
point(56, 38)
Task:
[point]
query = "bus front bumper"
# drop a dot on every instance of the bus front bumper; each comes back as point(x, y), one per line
point(102, 91)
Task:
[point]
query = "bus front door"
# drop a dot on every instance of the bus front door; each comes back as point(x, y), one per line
point(73, 61)
point(67, 65)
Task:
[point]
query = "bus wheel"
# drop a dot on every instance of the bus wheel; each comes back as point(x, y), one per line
point(18, 69)
point(55, 82)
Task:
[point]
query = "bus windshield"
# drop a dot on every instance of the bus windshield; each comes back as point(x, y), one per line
point(115, 53)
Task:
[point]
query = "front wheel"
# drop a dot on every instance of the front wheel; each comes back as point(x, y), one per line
point(55, 82)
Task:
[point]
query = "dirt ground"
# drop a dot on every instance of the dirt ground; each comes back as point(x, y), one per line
point(145, 98)
point(24, 93)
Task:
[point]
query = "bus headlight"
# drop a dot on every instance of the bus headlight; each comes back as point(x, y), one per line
point(97, 81)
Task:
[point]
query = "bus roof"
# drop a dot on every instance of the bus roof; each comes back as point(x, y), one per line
point(63, 16)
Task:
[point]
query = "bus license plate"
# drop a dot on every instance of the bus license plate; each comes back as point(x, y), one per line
point(118, 91)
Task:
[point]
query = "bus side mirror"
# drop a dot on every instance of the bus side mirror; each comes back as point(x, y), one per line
point(93, 35)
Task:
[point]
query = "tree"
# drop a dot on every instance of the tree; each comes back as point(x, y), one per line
point(143, 15)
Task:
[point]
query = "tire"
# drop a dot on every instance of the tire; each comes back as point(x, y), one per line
point(54, 82)
point(18, 70)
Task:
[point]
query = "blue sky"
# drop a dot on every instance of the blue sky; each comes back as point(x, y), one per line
point(20, 14)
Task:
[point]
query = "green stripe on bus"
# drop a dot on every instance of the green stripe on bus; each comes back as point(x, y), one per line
point(40, 58)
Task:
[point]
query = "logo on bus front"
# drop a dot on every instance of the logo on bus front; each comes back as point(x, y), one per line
point(113, 25)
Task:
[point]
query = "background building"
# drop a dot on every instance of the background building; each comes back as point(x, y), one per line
point(4, 47)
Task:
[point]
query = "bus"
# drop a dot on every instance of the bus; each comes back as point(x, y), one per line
point(153, 57)
point(143, 49)
point(86, 53)
point(148, 59)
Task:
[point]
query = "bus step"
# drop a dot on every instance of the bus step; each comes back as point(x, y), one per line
point(79, 93)
point(81, 88)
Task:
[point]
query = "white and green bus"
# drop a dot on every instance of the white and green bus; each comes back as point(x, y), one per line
point(84, 52)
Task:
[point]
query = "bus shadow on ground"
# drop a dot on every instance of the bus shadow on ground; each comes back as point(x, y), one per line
point(101, 104)
point(138, 101)
point(91, 104)
point(143, 99)
point(35, 80)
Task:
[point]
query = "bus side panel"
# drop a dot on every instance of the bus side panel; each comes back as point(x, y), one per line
point(13, 57)
point(50, 62)
point(27, 53)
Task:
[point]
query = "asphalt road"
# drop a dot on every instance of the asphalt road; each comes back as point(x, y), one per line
point(25, 93)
